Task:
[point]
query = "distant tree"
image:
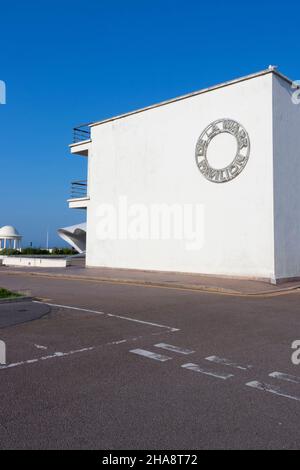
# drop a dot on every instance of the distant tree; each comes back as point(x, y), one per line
point(34, 251)
point(38, 251)
point(9, 252)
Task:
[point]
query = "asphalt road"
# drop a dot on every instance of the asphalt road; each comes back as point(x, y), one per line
point(128, 369)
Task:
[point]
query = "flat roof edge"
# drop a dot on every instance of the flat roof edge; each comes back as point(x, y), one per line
point(81, 142)
point(195, 93)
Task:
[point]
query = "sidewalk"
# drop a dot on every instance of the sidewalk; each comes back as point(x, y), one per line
point(159, 279)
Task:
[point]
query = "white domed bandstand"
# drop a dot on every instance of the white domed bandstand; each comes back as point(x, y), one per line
point(10, 238)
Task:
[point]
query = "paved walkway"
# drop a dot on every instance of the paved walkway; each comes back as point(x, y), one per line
point(159, 279)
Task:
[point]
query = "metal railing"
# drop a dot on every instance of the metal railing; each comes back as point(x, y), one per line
point(78, 189)
point(81, 133)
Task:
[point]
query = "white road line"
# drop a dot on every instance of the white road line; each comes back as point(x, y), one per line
point(110, 315)
point(226, 362)
point(122, 341)
point(176, 349)
point(70, 307)
point(65, 354)
point(286, 377)
point(270, 389)
point(218, 375)
point(143, 322)
point(38, 346)
point(151, 355)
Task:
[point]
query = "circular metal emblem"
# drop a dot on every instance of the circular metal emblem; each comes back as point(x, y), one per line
point(240, 159)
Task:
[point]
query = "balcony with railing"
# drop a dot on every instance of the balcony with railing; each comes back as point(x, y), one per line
point(78, 188)
point(79, 195)
point(81, 140)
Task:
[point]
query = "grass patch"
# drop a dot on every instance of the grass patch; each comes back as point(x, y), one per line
point(6, 294)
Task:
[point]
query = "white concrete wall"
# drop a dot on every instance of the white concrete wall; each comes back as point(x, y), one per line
point(286, 180)
point(150, 158)
point(35, 262)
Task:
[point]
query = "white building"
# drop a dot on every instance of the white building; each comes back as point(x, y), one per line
point(10, 238)
point(244, 134)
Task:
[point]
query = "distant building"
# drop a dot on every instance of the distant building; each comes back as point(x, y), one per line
point(233, 148)
point(10, 238)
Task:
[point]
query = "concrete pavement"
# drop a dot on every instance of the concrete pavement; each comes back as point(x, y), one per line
point(173, 280)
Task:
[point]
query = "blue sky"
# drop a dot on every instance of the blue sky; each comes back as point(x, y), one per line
point(70, 62)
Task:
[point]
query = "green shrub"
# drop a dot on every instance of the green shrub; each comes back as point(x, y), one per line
point(63, 251)
point(38, 251)
point(9, 252)
point(34, 251)
point(7, 294)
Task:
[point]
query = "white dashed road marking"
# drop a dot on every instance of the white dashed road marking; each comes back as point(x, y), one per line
point(80, 309)
point(176, 349)
point(38, 346)
point(286, 377)
point(226, 362)
point(150, 355)
point(218, 375)
point(270, 389)
point(45, 358)
point(66, 354)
